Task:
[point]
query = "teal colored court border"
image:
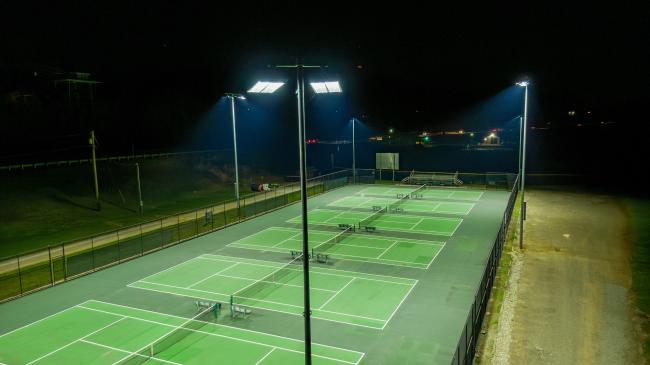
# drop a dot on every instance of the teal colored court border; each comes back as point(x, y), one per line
point(352, 298)
point(384, 221)
point(93, 332)
point(384, 250)
point(428, 193)
point(409, 205)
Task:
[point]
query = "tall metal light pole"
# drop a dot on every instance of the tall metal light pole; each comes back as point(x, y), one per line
point(522, 173)
point(232, 97)
point(354, 157)
point(319, 88)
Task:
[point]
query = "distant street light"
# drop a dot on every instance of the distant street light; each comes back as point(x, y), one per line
point(232, 97)
point(522, 164)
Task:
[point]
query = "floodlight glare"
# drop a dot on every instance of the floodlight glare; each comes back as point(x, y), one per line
point(522, 83)
point(265, 87)
point(326, 87)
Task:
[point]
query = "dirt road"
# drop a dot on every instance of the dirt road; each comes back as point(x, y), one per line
point(571, 302)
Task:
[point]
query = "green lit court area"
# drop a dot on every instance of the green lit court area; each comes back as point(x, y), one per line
point(365, 247)
point(437, 193)
point(442, 226)
point(258, 286)
point(421, 206)
point(395, 272)
point(97, 332)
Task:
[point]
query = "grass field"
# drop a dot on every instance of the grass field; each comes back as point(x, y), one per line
point(35, 215)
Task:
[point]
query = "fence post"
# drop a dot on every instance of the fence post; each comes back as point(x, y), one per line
point(119, 251)
point(20, 274)
point(49, 252)
point(225, 217)
point(141, 241)
point(92, 250)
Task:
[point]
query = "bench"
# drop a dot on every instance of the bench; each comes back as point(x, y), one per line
point(203, 305)
point(370, 228)
point(377, 207)
point(344, 226)
point(322, 258)
point(297, 255)
point(239, 311)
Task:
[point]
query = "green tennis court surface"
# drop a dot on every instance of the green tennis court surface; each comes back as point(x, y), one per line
point(409, 205)
point(356, 247)
point(340, 296)
point(427, 193)
point(385, 221)
point(97, 332)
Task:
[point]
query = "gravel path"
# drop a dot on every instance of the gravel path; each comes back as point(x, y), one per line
point(568, 295)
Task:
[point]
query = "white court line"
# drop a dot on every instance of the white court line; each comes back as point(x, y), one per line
point(335, 294)
point(274, 282)
point(263, 301)
point(399, 305)
point(222, 325)
point(346, 257)
point(436, 255)
point(262, 308)
point(212, 275)
point(386, 250)
point(210, 333)
point(283, 241)
point(328, 271)
point(265, 356)
point(414, 216)
point(129, 352)
point(42, 319)
point(73, 342)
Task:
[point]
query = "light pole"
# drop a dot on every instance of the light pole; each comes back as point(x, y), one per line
point(319, 88)
point(522, 172)
point(232, 97)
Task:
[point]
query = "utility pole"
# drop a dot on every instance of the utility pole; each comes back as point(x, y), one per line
point(354, 157)
point(93, 143)
point(137, 172)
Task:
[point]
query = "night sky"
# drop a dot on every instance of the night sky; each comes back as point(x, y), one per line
point(401, 64)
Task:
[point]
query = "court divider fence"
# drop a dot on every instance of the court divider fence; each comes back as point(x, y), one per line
point(43, 268)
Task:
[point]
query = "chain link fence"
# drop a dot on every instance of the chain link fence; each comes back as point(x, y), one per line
point(39, 269)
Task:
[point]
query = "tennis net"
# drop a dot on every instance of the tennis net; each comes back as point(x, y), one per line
point(366, 221)
point(169, 339)
point(326, 245)
point(403, 199)
point(247, 294)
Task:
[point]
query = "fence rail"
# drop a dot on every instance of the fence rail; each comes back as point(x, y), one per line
point(142, 156)
point(42, 268)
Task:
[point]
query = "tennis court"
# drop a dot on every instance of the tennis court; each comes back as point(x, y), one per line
point(356, 246)
point(96, 332)
point(384, 221)
point(427, 193)
point(354, 298)
point(408, 205)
